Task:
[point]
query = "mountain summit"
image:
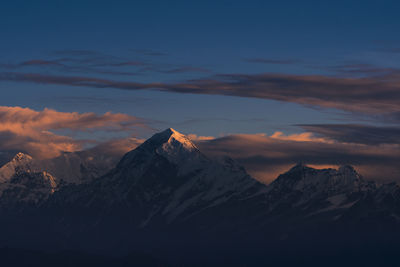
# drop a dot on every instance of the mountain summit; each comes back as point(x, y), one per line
point(173, 138)
point(21, 184)
point(170, 145)
point(21, 157)
point(314, 181)
point(167, 195)
point(168, 179)
point(19, 162)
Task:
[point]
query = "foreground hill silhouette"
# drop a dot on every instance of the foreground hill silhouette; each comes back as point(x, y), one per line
point(168, 199)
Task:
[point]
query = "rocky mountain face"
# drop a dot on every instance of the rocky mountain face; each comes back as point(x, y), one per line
point(21, 186)
point(164, 181)
point(77, 167)
point(166, 194)
point(68, 168)
point(328, 191)
point(20, 161)
point(26, 189)
point(317, 191)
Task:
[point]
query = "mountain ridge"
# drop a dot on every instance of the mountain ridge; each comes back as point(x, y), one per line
point(166, 195)
point(148, 177)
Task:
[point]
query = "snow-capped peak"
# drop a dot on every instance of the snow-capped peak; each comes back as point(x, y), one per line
point(172, 138)
point(171, 145)
point(310, 180)
point(183, 139)
point(21, 157)
point(177, 147)
point(20, 162)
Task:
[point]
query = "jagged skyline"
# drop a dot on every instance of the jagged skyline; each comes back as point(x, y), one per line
point(167, 190)
point(293, 89)
point(197, 132)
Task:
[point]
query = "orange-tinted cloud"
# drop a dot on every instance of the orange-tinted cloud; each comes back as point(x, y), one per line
point(301, 137)
point(267, 156)
point(24, 129)
point(116, 147)
point(18, 119)
point(195, 137)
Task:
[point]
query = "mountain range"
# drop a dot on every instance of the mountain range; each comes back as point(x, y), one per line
point(167, 198)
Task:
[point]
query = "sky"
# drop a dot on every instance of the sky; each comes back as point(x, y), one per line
point(269, 83)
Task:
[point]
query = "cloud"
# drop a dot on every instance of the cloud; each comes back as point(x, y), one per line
point(82, 61)
point(70, 80)
point(94, 62)
point(33, 132)
point(40, 145)
point(185, 69)
point(266, 157)
point(19, 119)
point(374, 151)
point(123, 64)
point(362, 69)
point(272, 61)
point(40, 62)
point(301, 137)
point(368, 95)
point(195, 137)
point(116, 147)
point(61, 66)
point(356, 133)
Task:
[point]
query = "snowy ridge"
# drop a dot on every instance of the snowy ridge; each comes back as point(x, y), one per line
point(171, 145)
point(169, 176)
point(20, 161)
point(317, 191)
point(69, 167)
point(76, 167)
point(168, 182)
point(168, 179)
point(22, 181)
point(314, 181)
point(27, 187)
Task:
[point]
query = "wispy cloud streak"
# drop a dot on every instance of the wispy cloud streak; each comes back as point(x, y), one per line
point(272, 61)
point(370, 95)
point(356, 133)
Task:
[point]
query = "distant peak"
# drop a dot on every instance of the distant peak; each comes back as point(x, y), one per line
point(20, 163)
point(298, 166)
point(21, 156)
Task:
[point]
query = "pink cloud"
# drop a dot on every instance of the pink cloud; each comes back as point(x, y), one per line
point(301, 137)
point(33, 131)
point(265, 157)
point(195, 137)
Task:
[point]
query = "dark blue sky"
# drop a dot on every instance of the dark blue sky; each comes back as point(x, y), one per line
point(176, 41)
